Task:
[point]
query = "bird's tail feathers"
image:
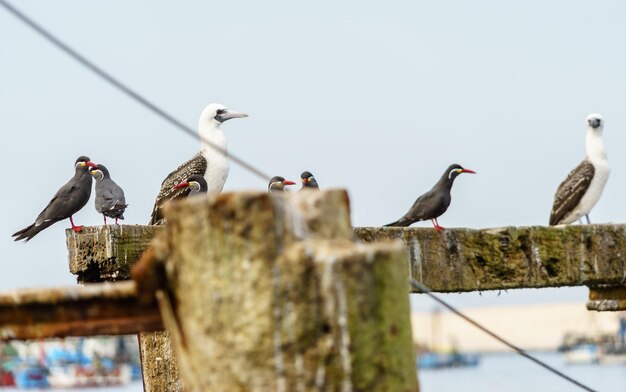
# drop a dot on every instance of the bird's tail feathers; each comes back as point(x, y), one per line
point(28, 232)
point(398, 223)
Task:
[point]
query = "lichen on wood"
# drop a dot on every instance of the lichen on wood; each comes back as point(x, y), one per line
point(510, 257)
point(106, 253)
point(270, 294)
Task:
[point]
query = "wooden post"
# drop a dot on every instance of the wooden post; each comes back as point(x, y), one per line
point(268, 293)
point(107, 253)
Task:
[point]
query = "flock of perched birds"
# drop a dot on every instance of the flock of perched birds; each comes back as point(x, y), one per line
point(208, 170)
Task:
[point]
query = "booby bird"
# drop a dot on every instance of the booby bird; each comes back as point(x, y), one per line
point(110, 200)
point(277, 184)
point(210, 163)
point(68, 200)
point(308, 181)
point(435, 202)
point(582, 188)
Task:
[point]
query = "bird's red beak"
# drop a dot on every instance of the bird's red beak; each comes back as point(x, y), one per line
point(91, 164)
point(181, 185)
point(287, 182)
point(468, 171)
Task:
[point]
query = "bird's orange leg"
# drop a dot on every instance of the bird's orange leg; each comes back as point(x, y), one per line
point(74, 227)
point(437, 227)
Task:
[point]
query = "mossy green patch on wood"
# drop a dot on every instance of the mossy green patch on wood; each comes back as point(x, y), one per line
point(107, 253)
point(510, 257)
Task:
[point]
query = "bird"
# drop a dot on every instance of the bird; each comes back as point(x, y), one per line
point(435, 202)
point(209, 162)
point(277, 184)
point(68, 200)
point(110, 200)
point(583, 186)
point(195, 184)
point(308, 181)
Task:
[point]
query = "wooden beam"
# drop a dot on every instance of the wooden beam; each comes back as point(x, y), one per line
point(99, 309)
point(510, 257)
point(607, 298)
point(107, 253)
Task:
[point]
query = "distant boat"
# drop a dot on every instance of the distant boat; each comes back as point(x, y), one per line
point(583, 354)
point(437, 358)
point(603, 352)
point(31, 375)
point(432, 360)
point(6, 378)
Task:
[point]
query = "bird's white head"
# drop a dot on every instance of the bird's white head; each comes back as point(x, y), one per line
point(216, 113)
point(594, 143)
point(595, 122)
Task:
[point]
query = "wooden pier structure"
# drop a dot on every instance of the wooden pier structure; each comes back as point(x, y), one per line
point(257, 292)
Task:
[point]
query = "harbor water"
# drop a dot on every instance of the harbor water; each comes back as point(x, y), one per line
point(496, 372)
point(513, 373)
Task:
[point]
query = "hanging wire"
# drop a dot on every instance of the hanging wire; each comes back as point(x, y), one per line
point(188, 130)
point(125, 89)
point(419, 286)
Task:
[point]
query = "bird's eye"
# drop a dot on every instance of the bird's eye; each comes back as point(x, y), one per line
point(220, 111)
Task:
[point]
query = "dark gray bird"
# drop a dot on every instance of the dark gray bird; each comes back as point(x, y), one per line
point(308, 181)
point(582, 188)
point(435, 202)
point(210, 162)
point(195, 184)
point(110, 200)
point(277, 184)
point(68, 200)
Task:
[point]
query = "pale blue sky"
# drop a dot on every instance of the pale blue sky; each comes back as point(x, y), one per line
point(376, 97)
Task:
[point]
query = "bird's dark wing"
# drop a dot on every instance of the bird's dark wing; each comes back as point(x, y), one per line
point(417, 212)
point(570, 191)
point(196, 165)
point(109, 195)
point(68, 200)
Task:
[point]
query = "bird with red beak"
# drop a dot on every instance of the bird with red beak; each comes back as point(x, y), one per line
point(435, 202)
point(308, 181)
point(68, 200)
point(277, 184)
point(194, 184)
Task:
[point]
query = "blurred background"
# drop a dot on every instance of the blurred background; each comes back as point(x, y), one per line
point(378, 98)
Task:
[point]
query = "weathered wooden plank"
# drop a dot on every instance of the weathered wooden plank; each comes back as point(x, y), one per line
point(111, 309)
point(510, 257)
point(270, 294)
point(607, 298)
point(107, 253)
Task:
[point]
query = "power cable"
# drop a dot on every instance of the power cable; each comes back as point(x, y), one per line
point(419, 286)
point(125, 89)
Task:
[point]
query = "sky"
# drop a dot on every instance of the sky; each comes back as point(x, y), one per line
point(377, 98)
